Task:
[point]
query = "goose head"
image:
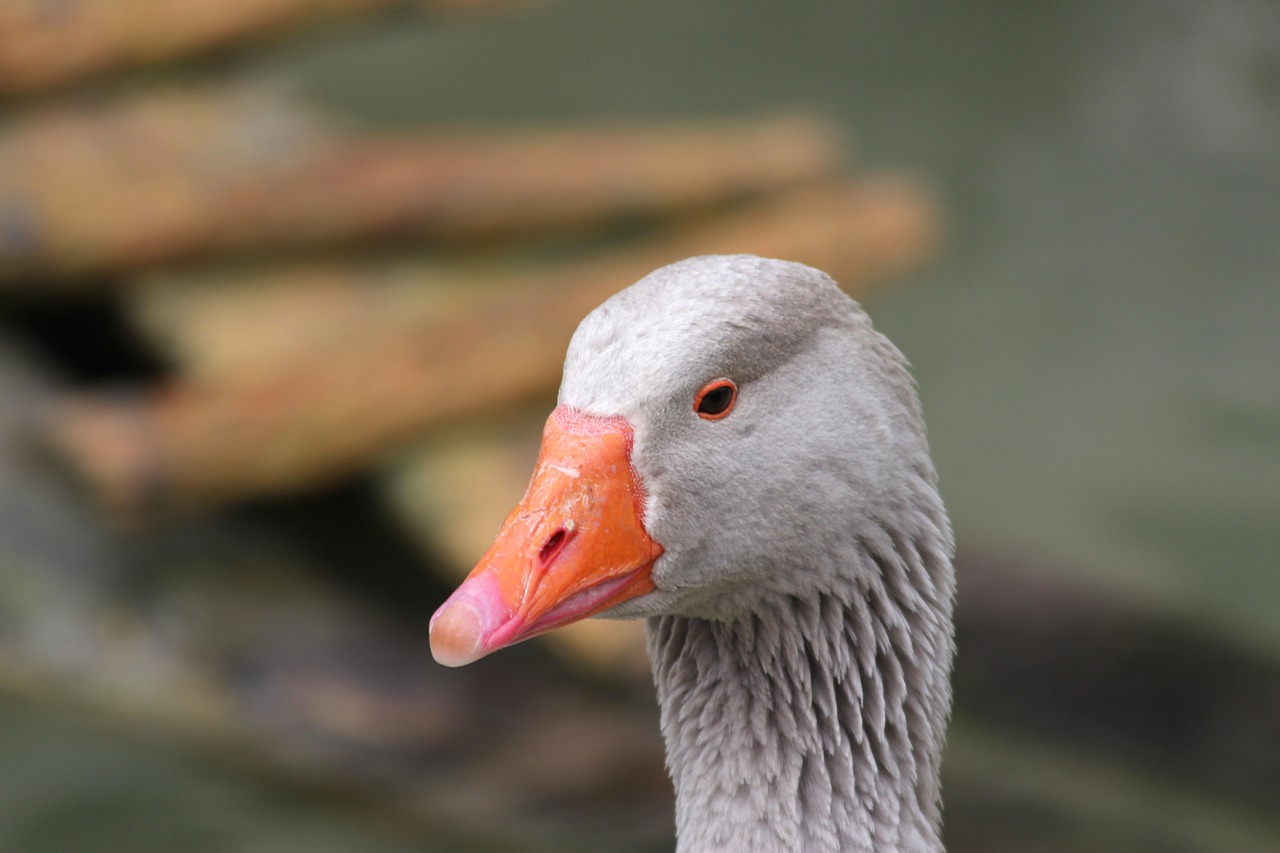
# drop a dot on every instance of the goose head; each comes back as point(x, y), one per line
point(725, 429)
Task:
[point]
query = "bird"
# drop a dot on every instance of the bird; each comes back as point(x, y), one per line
point(737, 457)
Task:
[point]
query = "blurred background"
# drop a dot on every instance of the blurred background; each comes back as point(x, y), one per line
point(285, 286)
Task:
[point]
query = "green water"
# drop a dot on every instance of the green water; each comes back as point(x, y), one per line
point(71, 784)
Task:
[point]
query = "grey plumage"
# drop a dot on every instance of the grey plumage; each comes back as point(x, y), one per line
point(812, 724)
point(801, 627)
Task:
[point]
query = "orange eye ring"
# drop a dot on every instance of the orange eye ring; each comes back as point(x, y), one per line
point(716, 399)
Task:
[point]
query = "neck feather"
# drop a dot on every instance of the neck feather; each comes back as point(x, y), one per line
point(814, 723)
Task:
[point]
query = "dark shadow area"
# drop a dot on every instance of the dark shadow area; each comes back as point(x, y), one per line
point(1053, 661)
point(343, 531)
point(85, 337)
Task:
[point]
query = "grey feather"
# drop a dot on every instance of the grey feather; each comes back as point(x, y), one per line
point(801, 629)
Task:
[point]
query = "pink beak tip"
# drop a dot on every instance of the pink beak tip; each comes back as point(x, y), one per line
point(457, 635)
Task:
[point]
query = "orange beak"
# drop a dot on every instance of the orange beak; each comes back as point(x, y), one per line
point(574, 546)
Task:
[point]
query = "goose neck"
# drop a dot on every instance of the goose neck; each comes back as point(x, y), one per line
point(811, 724)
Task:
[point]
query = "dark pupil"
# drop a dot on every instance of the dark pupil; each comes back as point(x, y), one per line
point(716, 400)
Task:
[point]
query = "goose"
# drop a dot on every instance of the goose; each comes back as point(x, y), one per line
point(738, 458)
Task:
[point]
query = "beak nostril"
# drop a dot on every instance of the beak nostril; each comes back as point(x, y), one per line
point(552, 546)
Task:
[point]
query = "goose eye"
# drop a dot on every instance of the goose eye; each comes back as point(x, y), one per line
point(716, 399)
